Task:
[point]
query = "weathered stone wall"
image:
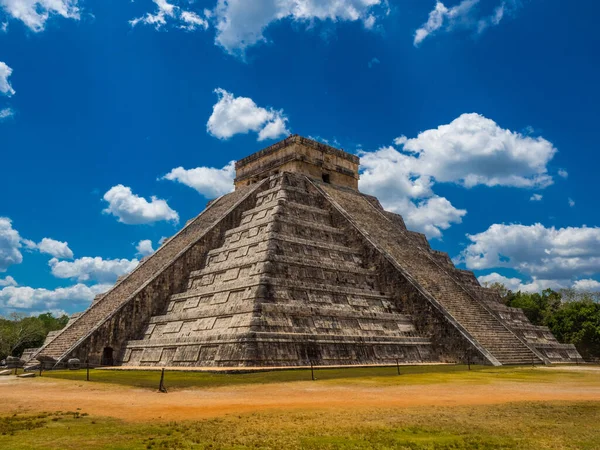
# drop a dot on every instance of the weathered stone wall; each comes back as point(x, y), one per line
point(285, 288)
point(442, 287)
point(299, 155)
point(123, 312)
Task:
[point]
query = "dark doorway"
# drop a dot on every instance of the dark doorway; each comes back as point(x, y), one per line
point(326, 178)
point(107, 357)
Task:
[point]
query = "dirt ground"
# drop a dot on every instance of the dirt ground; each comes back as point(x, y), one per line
point(131, 404)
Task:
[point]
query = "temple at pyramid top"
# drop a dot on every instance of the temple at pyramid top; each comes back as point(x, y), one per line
point(299, 155)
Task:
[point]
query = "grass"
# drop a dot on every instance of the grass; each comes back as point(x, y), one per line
point(555, 425)
point(351, 375)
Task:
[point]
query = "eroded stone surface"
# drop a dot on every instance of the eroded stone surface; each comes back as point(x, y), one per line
point(297, 266)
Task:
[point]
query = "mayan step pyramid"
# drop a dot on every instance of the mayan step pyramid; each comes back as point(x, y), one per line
point(294, 267)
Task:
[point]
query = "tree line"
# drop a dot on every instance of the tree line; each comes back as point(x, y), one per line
point(572, 316)
point(19, 331)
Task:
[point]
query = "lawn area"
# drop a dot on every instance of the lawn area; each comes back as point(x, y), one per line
point(365, 375)
point(549, 425)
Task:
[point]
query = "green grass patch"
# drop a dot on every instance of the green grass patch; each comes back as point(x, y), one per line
point(553, 425)
point(351, 375)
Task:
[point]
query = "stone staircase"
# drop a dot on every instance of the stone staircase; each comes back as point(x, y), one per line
point(110, 303)
point(284, 288)
point(437, 282)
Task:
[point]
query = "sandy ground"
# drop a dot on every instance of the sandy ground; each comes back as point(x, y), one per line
point(131, 404)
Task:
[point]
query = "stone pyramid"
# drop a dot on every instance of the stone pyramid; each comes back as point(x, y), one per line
point(297, 266)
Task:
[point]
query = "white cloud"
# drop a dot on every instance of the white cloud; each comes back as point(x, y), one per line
point(571, 202)
point(208, 181)
point(432, 215)
point(544, 253)
point(144, 248)
point(587, 285)
point(5, 73)
point(515, 284)
point(473, 150)
point(192, 21)
point(536, 197)
point(55, 248)
point(25, 297)
point(240, 23)
point(165, 11)
point(132, 209)
point(462, 16)
point(10, 243)
point(7, 281)
point(563, 173)
point(54, 311)
point(35, 13)
point(386, 175)
point(234, 115)
point(6, 113)
point(92, 269)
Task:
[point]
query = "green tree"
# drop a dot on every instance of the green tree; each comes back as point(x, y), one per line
point(578, 323)
point(18, 332)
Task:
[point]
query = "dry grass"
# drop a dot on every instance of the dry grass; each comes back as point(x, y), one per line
point(553, 425)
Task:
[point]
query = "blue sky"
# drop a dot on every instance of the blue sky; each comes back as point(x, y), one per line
point(475, 120)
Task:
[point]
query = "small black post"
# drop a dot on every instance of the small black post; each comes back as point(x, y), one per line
point(161, 386)
point(41, 367)
point(87, 370)
point(312, 371)
point(398, 365)
point(532, 361)
point(469, 359)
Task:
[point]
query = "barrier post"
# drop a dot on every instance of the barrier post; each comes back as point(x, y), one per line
point(312, 370)
point(398, 365)
point(87, 370)
point(161, 386)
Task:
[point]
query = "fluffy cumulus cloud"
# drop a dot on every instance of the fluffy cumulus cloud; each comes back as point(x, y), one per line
point(536, 197)
point(132, 209)
point(166, 13)
point(208, 181)
point(402, 191)
point(239, 115)
point(5, 73)
point(92, 269)
point(241, 24)
point(516, 284)
point(535, 250)
point(7, 281)
point(464, 16)
point(35, 13)
point(473, 150)
point(56, 249)
point(144, 248)
point(587, 285)
point(10, 245)
point(25, 297)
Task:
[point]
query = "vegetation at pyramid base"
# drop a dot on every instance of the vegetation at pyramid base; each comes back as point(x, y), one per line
point(573, 317)
point(19, 331)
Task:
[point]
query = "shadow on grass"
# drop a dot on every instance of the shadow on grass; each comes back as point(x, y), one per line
point(353, 375)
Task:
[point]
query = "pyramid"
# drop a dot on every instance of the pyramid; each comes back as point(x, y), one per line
point(294, 267)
